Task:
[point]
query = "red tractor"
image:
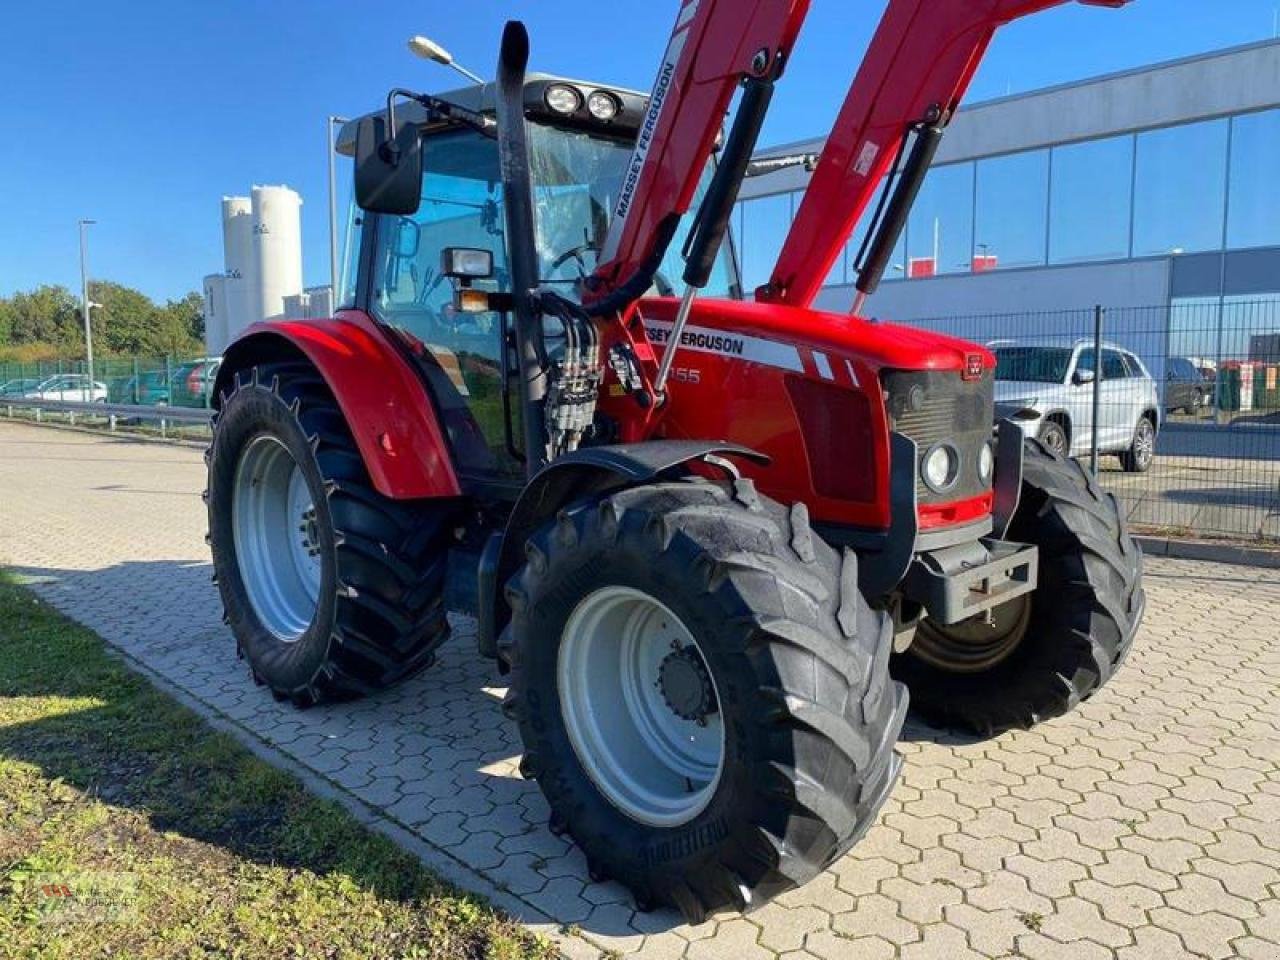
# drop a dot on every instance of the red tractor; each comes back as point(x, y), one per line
point(711, 542)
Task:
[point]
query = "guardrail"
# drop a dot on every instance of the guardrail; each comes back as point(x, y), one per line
point(113, 413)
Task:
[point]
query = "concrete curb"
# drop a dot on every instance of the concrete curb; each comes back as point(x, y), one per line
point(1210, 552)
point(443, 864)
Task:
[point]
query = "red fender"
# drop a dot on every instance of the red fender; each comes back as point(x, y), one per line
point(382, 399)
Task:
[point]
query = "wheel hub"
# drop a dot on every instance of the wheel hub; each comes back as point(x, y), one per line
point(686, 685)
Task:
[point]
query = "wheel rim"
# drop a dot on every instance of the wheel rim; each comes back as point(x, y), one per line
point(276, 536)
point(974, 645)
point(619, 647)
point(1144, 444)
point(1055, 439)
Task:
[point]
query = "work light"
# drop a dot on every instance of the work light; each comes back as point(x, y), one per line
point(563, 99)
point(602, 106)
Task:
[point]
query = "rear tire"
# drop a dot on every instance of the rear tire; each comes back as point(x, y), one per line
point(1080, 625)
point(360, 607)
point(791, 662)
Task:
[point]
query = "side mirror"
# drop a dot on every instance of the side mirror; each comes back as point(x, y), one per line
point(1082, 377)
point(408, 238)
point(388, 170)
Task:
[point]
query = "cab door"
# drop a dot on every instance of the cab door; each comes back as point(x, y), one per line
point(461, 355)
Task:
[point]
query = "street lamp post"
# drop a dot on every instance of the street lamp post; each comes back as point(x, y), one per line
point(330, 123)
point(87, 304)
point(427, 49)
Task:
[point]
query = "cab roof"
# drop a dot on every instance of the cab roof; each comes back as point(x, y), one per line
point(482, 98)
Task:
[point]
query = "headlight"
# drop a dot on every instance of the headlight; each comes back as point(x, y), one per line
point(563, 99)
point(602, 106)
point(940, 468)
point(986, 463)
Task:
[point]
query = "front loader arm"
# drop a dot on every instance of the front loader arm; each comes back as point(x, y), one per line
point(716, 44)
point(916, 70)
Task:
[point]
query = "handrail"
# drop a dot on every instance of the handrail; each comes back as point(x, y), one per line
point(148, 412)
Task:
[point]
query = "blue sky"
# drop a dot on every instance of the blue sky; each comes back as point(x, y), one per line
point(142, 114)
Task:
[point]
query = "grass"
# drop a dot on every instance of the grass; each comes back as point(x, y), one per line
point(129, 828)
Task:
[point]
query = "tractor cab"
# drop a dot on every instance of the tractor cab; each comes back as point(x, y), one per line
point(439, 276)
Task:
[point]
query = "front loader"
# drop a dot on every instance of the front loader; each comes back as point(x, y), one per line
point(711, 537)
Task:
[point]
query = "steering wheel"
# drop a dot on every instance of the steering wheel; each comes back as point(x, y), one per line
point(575, 254)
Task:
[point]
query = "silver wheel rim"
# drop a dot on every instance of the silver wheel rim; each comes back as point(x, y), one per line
point(654, 765)
point(1055, 439)
point(1144, 444)
point(274, 526)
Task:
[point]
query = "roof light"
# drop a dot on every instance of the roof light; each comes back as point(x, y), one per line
point(563, 99)
point(602, 105)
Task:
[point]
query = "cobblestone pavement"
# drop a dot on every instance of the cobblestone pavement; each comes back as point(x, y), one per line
point(1145, 825)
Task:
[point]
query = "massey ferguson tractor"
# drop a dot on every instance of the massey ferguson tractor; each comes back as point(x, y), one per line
point(712, 537)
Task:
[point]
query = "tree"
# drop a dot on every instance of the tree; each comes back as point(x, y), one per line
point(47, 320)
point(180, 326)
point(126, 320)
point(48, 314)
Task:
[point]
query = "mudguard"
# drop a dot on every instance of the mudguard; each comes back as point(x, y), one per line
point(382, 399)
point(586, 471)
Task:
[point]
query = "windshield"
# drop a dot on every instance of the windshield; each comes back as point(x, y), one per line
point(576, 180)
point(1032, 364)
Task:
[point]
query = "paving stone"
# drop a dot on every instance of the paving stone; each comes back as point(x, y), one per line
point(1143, 826)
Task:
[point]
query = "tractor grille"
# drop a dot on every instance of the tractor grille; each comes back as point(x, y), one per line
point(931, 407)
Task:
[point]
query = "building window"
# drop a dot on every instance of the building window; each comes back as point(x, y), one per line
point(1254, 209)
point(765, 222)
point(940, 228)
point(1091, 199)
point(1012, 211)
point(1180, 189)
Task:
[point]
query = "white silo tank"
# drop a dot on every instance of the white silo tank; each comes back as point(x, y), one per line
point(296, 306)
point(320, 302)
point(215, 314)
point(238, 262)
point(277, 250)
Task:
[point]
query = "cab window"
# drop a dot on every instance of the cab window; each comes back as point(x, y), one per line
point(460, 352)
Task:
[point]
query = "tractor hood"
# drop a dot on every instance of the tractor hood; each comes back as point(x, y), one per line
point(782, 335)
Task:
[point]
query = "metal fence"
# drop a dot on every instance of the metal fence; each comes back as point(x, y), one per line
point(1206, 374)
point(146, 381)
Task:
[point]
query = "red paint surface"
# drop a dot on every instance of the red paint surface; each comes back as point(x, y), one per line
point(382, 399)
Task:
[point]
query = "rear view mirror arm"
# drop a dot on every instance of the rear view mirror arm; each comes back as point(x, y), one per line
point(438, 109)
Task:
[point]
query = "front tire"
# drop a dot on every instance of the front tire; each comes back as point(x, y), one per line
point(770, 667)
point(1047, 652)
point(1142, 450)
point(332, 590)
point(1054, 436)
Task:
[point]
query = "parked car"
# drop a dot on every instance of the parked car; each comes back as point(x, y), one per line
point(1048, 390)
point(1186, 386)
point(149, 388)
point(75, 387)
point(192, 384)
point(18, 388)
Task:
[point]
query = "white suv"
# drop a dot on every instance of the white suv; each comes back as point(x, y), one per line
point(1047, 389)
